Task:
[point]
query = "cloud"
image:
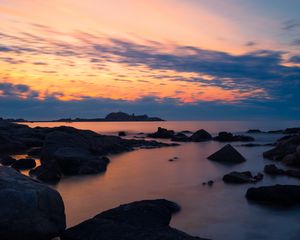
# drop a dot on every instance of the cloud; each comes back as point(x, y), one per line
point(291, 24)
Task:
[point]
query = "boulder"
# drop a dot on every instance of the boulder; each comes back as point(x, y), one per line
point(273, 170)
point(122, 134)
point(278, 194)
point(254, 131)
point(242, 177)
point(227, 154)
point(7, 160)
point(229, 137)
point(29, 210)
point(35, 152)
point(48, 174)
point(162, 133)
point(143, 220)
point(24, 163)
point(200, 136)
point(180, 137)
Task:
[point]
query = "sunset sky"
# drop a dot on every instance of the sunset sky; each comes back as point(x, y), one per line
point(177, 59)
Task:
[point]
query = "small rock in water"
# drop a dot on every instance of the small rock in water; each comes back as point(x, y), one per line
point(122, 134)
point(23, 164)
point(210, 183)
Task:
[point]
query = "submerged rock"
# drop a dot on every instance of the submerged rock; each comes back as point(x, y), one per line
point(254, 131)
point(29, 210)
point(24, 163)
point(143, 220)
point(227, 154)
point(48, 174)
point(278, 194)
point(275, 171)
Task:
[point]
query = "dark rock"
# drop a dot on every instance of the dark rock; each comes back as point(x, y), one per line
point(273, 170)
point(254, 131)
point(180, 137)
point(24, 163)
point(291, 131)
point(162, 133)
point(229, 137)
point(242, 177)
point(29, 210)
point(46, 174)
point(122, 134)
point(285, 150)
point(275, 131)
point(7, 160)
point(210, 182)
point(121, 116)
point(278, 194)
point(35, 152)
point(143, 220)
point(227, 154)
point(200, 136)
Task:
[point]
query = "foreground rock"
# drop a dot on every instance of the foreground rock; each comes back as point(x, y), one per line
point(227, 154)
point(229, 137)
point(275, 171)
point(143, 220)
point(242, 177)
point(29, 210)
point(278, 194)
point(287, 150)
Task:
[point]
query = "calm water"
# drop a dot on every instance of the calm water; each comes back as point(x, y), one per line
point(217, 212)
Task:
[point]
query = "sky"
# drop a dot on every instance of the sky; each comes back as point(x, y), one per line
point(176, 59)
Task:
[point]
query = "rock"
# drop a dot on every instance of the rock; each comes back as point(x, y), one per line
point(46, 174)
point(162, 133)
point(7, 160)
point(278, 194)
point(242, 177)
point(122, 134)
point(275, 131)
point(210, 182)
point(285, 150)
point(254, 131)
point(229, 137)
point(292, 130)
point(143, 220)
point(273, 170)
point(180, 137)
point(23, 164)
point(200, 136)
point(29, 210)
point(77, 161)
point(227, 154)
point(256, 145)
point(35, 152)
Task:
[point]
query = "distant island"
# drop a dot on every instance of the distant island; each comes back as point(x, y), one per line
point(111, 117)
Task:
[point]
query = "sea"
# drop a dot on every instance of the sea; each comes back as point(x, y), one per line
point(217, 212)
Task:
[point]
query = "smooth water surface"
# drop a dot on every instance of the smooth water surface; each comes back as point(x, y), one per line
point(217, 212)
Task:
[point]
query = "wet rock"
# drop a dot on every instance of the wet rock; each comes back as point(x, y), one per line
point(143, 220)
point(29, 210)
point(180, 137)
point(229, 137)
point(200, 136)
point(227, 154)
point(24, 163)
point(162, 133)
point(273, 170)
point(7, 160)
point(242, 177)
point(35, 152)
point(295, 130)
point(278, 194)
point(210, 182)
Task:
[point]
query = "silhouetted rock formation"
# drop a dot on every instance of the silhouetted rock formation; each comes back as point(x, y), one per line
point(143, 220)
point(162, 133)
point(229, 137)
point(275, 171)
point(278, 194)
point(242, 177)
point(287, 150)
point(254, 131)
point(29, 210)
point(227, 154)
point(200, 136)
point(23, 164)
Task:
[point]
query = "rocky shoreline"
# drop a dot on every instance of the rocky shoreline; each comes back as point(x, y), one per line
point(32, 210)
